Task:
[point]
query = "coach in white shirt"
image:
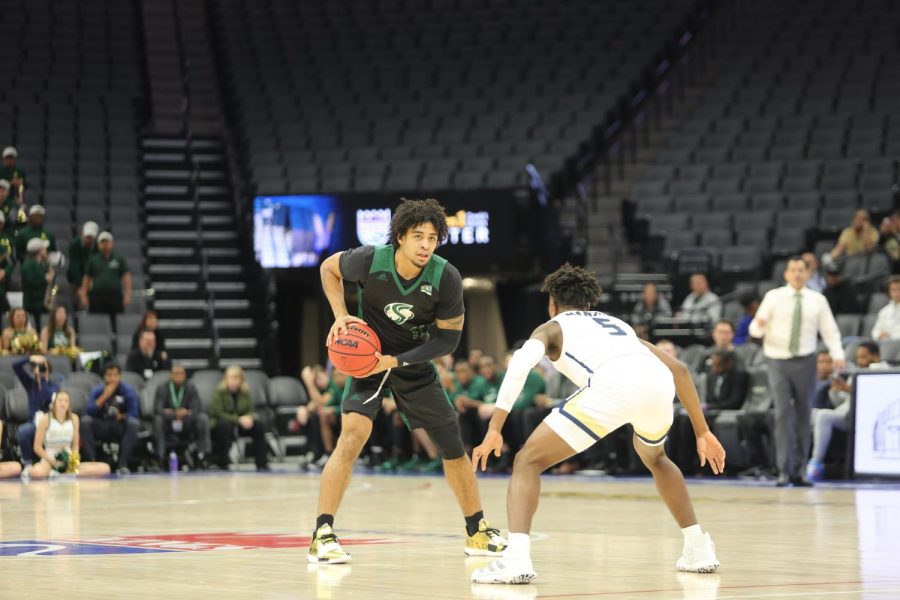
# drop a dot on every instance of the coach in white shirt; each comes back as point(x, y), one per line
point(887, 326)
point(789, 320)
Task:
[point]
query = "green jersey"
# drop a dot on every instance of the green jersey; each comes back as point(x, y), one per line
point(402, 312)
point(476, 389)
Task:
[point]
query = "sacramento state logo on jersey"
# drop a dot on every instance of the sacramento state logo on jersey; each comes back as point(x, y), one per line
point(399, 312)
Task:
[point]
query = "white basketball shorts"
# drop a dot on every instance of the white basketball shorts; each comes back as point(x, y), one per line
point(636, 389)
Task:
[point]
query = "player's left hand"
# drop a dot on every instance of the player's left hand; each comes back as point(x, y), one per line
point(493, 442)
point(710, 449)
point(385, 362)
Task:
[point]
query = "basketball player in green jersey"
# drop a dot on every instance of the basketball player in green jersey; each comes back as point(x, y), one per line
point(413, 300)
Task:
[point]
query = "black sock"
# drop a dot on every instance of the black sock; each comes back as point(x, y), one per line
point(472, 522)
point(324, 520)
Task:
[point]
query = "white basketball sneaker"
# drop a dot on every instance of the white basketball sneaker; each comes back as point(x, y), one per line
point(506, 570)
point(698, 556)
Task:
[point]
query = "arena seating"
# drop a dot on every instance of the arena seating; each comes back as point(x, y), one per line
point(70, 104)
point(799, 127)
point(401, 96)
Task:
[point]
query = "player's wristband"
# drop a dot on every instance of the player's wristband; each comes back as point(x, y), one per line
point(444, 343)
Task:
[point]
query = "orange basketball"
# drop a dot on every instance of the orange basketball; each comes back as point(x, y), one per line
point(354, 352)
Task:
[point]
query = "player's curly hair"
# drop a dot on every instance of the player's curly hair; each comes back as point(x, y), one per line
point(573, 287)
point(415, 212)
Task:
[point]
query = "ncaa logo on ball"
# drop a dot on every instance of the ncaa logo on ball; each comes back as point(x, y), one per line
point(399, 312)
point(346, 342)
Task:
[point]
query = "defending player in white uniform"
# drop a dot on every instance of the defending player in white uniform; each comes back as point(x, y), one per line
point(622, 379)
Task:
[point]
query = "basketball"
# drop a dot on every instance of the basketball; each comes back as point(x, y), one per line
point(354, 352)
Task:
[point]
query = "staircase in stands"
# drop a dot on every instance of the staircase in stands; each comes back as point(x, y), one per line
point(194, 255)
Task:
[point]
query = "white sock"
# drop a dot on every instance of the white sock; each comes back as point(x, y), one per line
point(692, 532)
point(518, 547)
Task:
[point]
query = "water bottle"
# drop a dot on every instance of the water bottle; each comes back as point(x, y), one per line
point(173, 462)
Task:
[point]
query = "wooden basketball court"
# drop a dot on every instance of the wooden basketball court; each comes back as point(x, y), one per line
point(244, 535)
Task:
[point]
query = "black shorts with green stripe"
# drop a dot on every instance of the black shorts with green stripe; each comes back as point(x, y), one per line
point(416, 389)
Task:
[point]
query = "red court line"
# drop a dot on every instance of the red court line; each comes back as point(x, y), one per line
point(724, 587)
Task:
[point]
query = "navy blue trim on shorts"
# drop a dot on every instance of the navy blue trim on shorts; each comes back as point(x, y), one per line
point(583, 427)
point(652, 442)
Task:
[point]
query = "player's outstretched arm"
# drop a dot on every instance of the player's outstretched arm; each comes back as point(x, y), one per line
point(708, 446)
point(333, 285)
point(522, 362)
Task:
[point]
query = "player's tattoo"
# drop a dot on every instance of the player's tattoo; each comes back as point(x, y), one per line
point(456, 323)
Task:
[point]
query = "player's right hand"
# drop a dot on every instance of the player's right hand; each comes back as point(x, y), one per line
point(493, 442)
point(710, 449)
point(340, 327)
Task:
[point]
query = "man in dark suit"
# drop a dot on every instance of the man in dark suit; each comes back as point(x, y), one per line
point(726, 385)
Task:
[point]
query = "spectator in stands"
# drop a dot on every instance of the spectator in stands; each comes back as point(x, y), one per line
point(57, 443)
point(7, 236)
point(40, 389)
point(650, 307)
point(80, 250)
point(789, 320)
point(178, 412)
point(232, 415)
point(150, 322)
point(816, 279)
point(106, 287)
point(113, 413)
point(826, 420)
point(8, 468)
point(467, 392)
point(324, 409)
point(37, 275)
point(890, 239)
point(146, 359)
point(474, 357)
point(13, 173)
point(487, 369)
point(34, 229)
point(839, 293)
point(859, 237)
point(701, 305)
point(58, 336)
point(723, 339)
point(20, 337)
point(727, 383)
point(887, 325)
point(668, 347)
point(7, 262)
point(742, 331)
point(824, 371)
point(9, 208)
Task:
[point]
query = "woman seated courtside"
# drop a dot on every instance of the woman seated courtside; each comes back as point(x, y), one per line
point(232, 415)
point(56, 442)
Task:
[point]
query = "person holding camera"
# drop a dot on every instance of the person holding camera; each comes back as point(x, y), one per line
point(113, 413)
point(57, 444)
point(40, 390)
